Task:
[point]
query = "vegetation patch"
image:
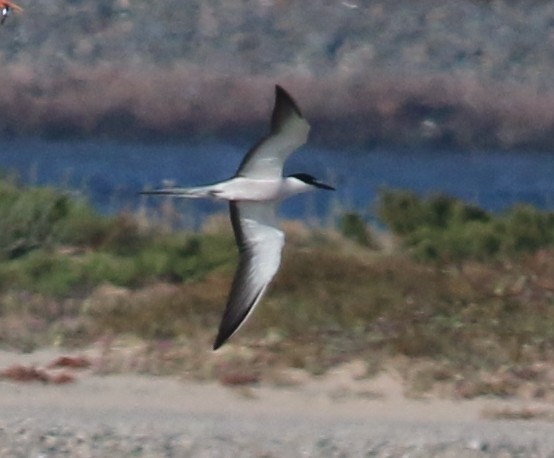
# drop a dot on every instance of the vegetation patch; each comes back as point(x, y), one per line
point(478, 321)
point(445, 229)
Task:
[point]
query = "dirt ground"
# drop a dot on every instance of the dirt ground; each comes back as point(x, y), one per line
point(338, 415)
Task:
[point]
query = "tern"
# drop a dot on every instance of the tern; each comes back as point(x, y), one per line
point(253, 194)
point(6, 8)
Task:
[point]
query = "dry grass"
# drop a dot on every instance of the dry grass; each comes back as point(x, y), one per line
point(461, 332)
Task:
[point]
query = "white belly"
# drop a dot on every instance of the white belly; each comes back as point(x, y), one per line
point(248, 189)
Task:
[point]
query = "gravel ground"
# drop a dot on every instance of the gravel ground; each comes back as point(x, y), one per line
point(220, 436)
point(137, 416)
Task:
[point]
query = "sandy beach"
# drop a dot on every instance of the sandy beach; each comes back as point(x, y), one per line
point(335, 415)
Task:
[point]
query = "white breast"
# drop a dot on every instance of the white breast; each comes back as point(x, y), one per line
point(248, 189)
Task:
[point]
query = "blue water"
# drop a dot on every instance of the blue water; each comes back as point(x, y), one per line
point(112, 173)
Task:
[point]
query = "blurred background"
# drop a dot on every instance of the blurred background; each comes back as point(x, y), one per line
point(429, 95)
point(434, 120)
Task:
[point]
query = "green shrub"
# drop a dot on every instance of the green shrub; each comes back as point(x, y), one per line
point(473, 240)
point(42, 271)
point(36, 223)
point(527, 229)
point(353, 227)
point(101, 267)
point(401, 210)
point(40, 217)
point(28, 218)
point(442, 228)
point(83, 226)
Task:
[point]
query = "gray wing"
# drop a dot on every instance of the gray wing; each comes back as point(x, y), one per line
point(260, 244)
point(289, 131)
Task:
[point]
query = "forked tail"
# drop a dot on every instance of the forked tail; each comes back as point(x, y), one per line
point(189, 193)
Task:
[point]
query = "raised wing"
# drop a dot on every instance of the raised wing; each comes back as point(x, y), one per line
point(260, 244)
point(289, 131)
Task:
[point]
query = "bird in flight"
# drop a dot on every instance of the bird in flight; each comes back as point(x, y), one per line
point(6, 8)
point(253, 194)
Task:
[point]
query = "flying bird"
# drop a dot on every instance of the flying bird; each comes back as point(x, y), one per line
point(6, 8)
point(253, 194)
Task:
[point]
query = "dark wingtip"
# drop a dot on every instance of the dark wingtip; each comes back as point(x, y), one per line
point(281, 92)
point(230, 322)
point(225, 331)
point(222, 336)
point(283, 98)
point(218, 343)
